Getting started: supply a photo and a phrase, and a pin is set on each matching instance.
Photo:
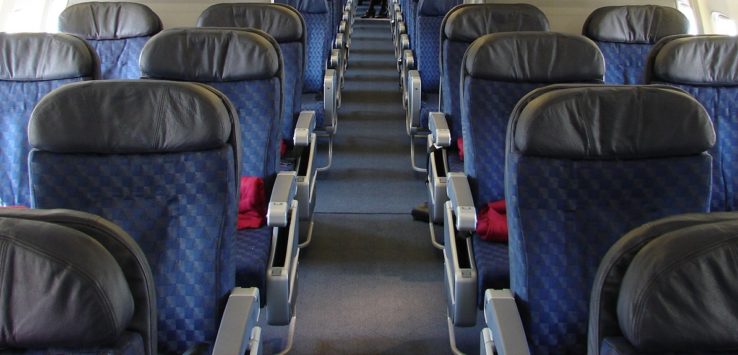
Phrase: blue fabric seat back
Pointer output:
(461, 26)
(585, 165)
(117, 31)
(254, 86)
(78, 322)
(430, 14)
(159, 159)
(625, 34)
(498, 70)
(25, 77)
(286, 26)
(409, 10)
(660, 288)
(319, 33)
(705, 66)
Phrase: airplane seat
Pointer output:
(117, 31)
(584, 165)
(161, 159)
(92, 290)
(25, 77)
(625, 34)
(663, 289)
(705, 66)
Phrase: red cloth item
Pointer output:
(460, 145)
(282, 148)
(252, 206)
(492, 222)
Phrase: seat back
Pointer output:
(159, 159)
(461, 26)
(32, 65)
(662, 288)
(428, 19)
(287, 27)
(625, 34)
(246, 66)
(117, 31)
(498, 70)
(113, 310)
(584, 166)
(706, 67)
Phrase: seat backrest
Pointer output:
(110, 310)
(663, 288)
(625, 34)
(707, 68)
(287, 27)
(428, 19)
(409, 10)
(117, 31)
(498, 70)
(584, 166)
(461, 26)
(246, 66)
(32, 64)
(319, 33)
(159, 159)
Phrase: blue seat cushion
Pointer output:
(493, 266)
(314, 102)
(428, 104)
(251, 249)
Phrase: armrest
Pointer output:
(342, 26)
(440, 134)
(502, 317)
(413, 88)
(238, 331)
(283, 193)
(330, 98)
(459, 194)
(402, 28)
(334, 61)
(408, 59)
(460, 273)
(339, 43)
(281, 274)
(437, 183)
(304, 128)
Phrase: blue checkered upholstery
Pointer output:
(314, 102)
(493, 267)
(452, 56)
(625, 62)
(119, 57)
(292, 55)
(251, 254)
(427, 51)
(410, 12)
(129, 343)
(317, 51)
(428, 103)
(180, 208)
(17, 99)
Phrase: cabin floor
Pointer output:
(370, 282)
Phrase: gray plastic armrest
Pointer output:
(486, 344)
(459, 194)
(413, 101)
(282, 271)
(437, 183)
(306, 184)
(304, 128)
(280, 203)
(408, 60)
(335, 59)
(330, 85)
(460, 274)
(503, 319)
(339, 43)
(238, 331)
(440, 134)
(402, 30)
(343, 26)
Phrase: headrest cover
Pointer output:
(466, 23)
(698, 60)
(109, 20)
(45, 56)
(307, 6)
(135, 116)
(436, 7)
(540, 57)
(634, 23)
(282, 22)
(210, 55)
(77, 297)
(611, 122)
(679, 292)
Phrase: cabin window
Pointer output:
(30, 16)
(722, 24)
(685, 6)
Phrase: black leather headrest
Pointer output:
(67, 290)
(540, 57)
(282, 22)
(307, 6)
(695, 60)
(134, 116)
(610, 122)
(436, 7)
(46, 56)
(679, 292)
(210, 55)
(634, 23)
(109, 20)
(468, 22)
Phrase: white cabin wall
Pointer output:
(177, 13)
(707, 7)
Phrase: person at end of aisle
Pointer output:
(382, 9)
